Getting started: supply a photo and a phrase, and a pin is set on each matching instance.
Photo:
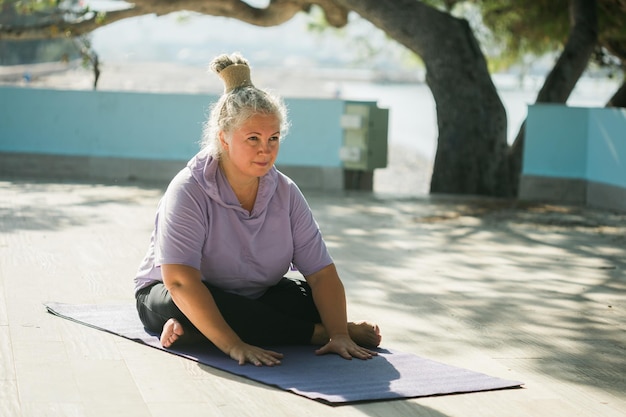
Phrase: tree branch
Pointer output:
(50, 29)
(568, 69)
(276, 13)
(576, 53)
(619, 98)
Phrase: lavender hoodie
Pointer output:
(200, 223)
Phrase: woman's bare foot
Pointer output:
(365, 334)
(172, 331)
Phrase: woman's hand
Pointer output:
(196, 302)
(243, 352)
(345, 347)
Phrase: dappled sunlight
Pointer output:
(101, 221)
(537, 291)
(356, 232)
(54, 206)
(543, 284)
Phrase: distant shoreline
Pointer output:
(136, 76)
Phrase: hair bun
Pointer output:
(233, 69)
(235, 76)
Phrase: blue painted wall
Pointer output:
(144, 126)
(315, 135)
(148, 126)
(607, 149)
(576, 143)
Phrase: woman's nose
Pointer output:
(265, 147)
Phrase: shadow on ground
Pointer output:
(536, 285)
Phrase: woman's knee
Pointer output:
(155, 306)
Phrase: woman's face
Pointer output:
(252, 148)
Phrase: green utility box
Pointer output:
(364, 146)
(365, 128)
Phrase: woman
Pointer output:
(228, 228)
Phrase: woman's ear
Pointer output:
(223, 140)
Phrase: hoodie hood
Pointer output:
(205, 170)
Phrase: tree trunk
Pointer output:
(563, 77)
(619, 98)
(471, 152)
(617, 47)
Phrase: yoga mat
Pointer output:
(328, 378)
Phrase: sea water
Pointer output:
(412, 108)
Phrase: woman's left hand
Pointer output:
(345, 347)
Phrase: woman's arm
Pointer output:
(330, 300)
(194, 299)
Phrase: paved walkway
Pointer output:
(533, 293)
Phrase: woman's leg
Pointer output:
(292, 297)
(257, 322)
(155, 307)
(281, 316)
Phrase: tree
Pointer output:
(471, 151)
(613, 40)
(472, 155)
(571, 64)
(539, 26)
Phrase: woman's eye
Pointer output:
(274, 138)
(253, 138)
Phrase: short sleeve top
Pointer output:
(200, 223)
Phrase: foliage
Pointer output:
(42, 9)
(29, 6)
(537, 27)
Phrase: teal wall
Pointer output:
(576, 143)
(148, 126)
(315, 135)
(607, 150)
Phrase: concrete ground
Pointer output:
(529, 292)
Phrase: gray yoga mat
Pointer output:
(329, 378)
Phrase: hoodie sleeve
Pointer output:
(181, 225)
(310, 253)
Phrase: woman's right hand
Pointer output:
(194, 299)
(243, 352)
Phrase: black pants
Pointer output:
(285, 314)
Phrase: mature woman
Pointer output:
(228, 228)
